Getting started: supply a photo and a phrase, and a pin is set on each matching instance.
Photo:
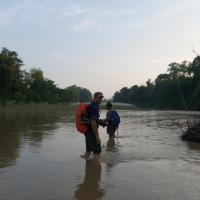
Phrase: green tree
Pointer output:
(10, 76)
(195, 68)
(51, 92)
(78, 94)
(37, 85)
(85, 95)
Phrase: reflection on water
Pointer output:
(18, 127)
(90, 189)
(9, 145)
(111, 144)
(111, 154)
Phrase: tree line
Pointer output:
(179, 88)
(19, 86)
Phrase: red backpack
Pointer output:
(81, 110)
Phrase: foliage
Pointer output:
(19, 86)
(179, 88)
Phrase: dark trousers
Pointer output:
(91, 143)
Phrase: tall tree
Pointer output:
(10, 75)
(37, 85)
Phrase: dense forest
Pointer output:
(179, 88)
(19, 86)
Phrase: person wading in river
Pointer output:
(92, 138)
(112, 120)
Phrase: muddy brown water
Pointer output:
(40, 158)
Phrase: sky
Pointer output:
(102, 45)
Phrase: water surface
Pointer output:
(40, 158)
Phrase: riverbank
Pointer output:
(45, 106)
(118, 106)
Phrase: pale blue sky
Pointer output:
(100, 44)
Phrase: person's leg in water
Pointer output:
(112, 136)
(92, 145)
(86, 155)
(97, 152)
(111, 130)
(96, 149)
(97, 157)
(88, 147)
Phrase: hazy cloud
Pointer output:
(56, 55)
(163, 14)
(115, 13)
(9, 14)
(71, 11)
(83, 26)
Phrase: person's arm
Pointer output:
(95, 130)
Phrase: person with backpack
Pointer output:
(112, 120)
(90, 127)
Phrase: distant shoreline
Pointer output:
(40, 107)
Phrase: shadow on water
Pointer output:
(27, 127)
(90, 189)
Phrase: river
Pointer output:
(40, 157)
